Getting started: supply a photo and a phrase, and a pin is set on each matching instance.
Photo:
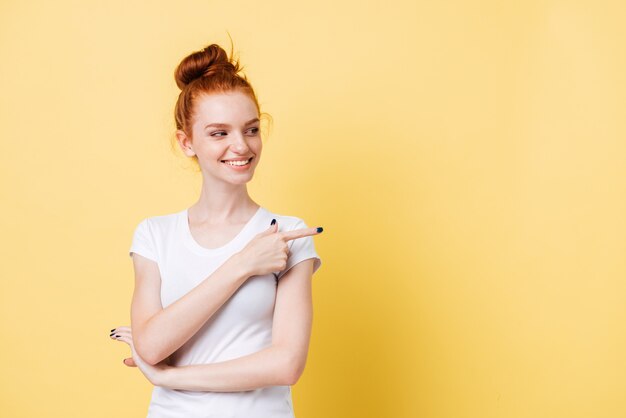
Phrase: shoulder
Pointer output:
(160, 223)
(286, 222)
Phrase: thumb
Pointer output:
(129, 362)
(273, 228)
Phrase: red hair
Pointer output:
(204, 72)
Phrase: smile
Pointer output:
(241, 163)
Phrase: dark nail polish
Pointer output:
(320, 229)
(111, 334)
(116, 335)
(113, 330)
(273, 221)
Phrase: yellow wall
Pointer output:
(466, 160)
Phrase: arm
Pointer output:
(158, 332)
(280, 364)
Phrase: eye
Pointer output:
(218, 132)
(254, 130)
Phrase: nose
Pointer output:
(239, 144)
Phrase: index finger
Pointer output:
(299, 233)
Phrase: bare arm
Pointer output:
(280, 364)
(158, 332)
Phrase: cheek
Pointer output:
(215, 149)
(257, 145)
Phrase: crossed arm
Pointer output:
(281, 363)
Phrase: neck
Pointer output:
(223, 203)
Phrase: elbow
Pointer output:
(143, 349)
(292, 369)
(292, 377)
(151, 358)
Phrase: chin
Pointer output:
(241, 179)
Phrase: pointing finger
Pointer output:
(300, 233)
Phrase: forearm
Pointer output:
(272, 366)
(169, 329)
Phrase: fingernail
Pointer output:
(320, 229)
(113, 330)
(116, 335)
(111, 334)
(273, 221)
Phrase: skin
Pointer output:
(221, 211)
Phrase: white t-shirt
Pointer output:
(243, 325)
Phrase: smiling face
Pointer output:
(225, 136)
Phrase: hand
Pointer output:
(152, 373)
(268, 251)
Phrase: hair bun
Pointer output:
(206, 72)
(210, 60)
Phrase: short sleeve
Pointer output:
(143, 242)
(300, 249)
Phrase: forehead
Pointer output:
(232, 107)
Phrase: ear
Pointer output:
(185, 143)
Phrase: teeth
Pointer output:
(239, 163)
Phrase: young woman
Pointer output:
(221, 312)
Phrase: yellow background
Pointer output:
(466, 160)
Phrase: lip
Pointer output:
(239, 168)
(239, 159)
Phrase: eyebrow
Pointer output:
(225, 125)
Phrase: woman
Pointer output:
(221, 312)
